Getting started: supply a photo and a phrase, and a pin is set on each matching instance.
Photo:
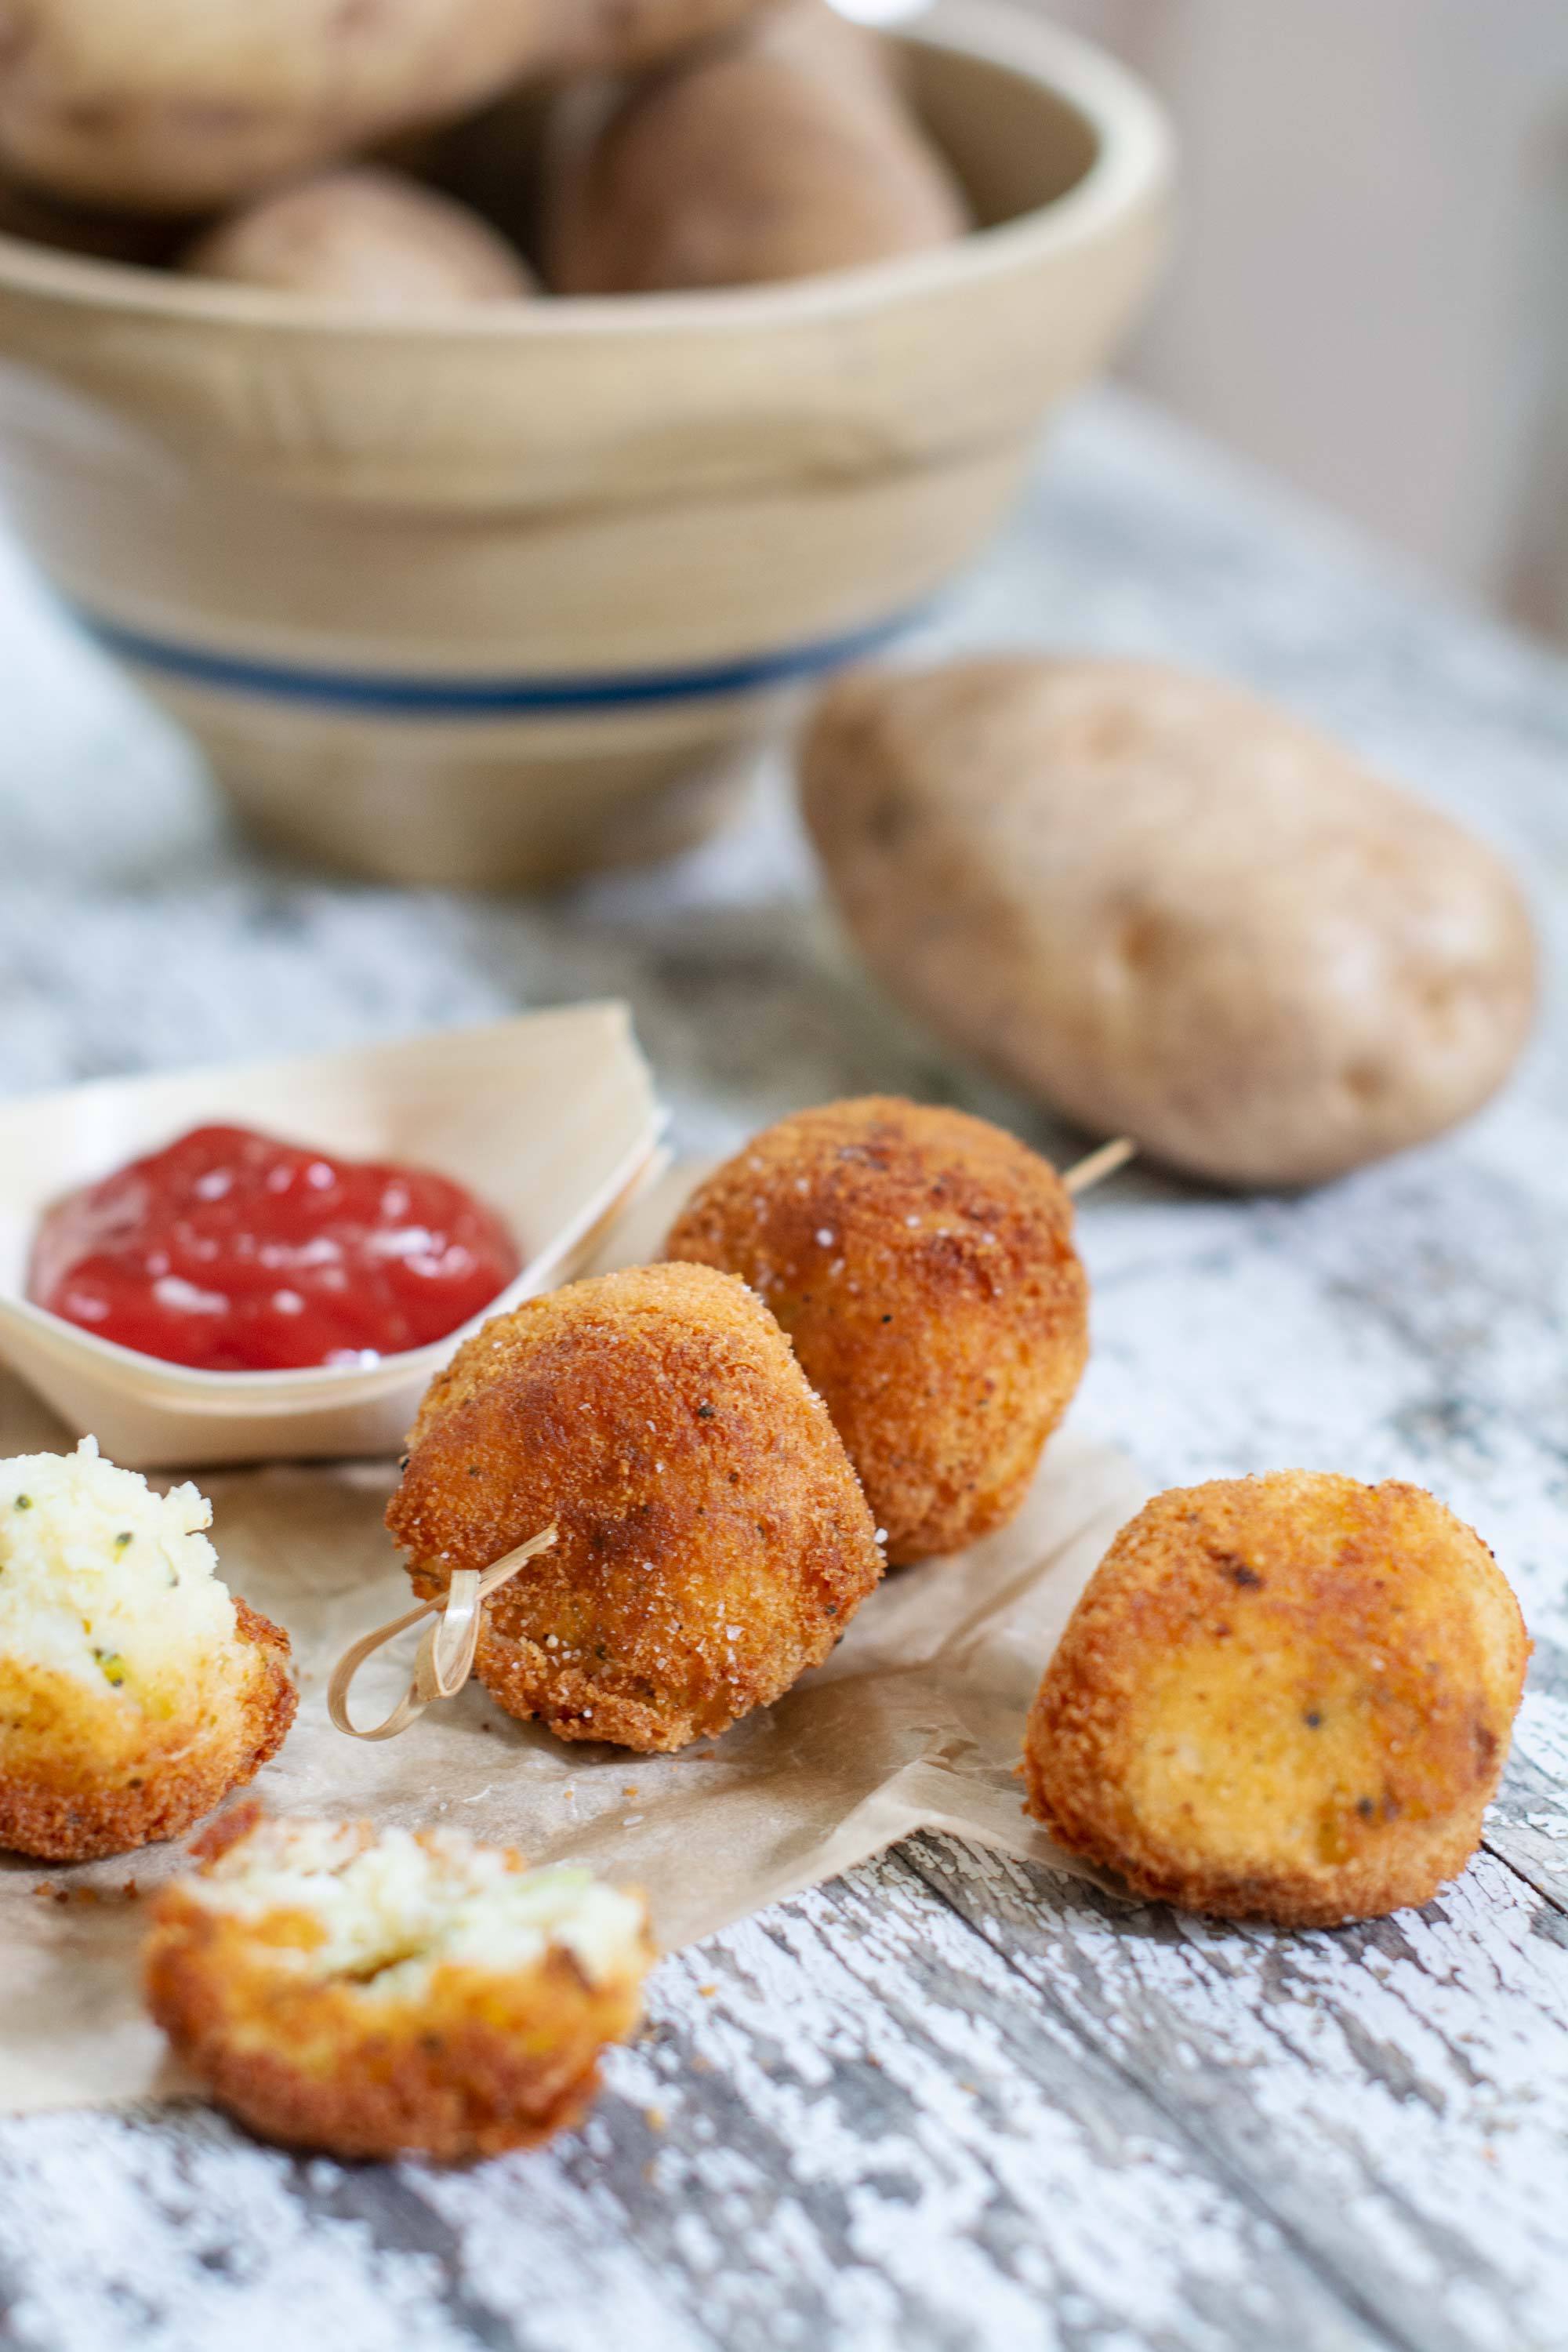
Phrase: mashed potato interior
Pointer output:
(104, 1579)
(392, 1907)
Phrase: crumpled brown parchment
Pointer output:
(915, 1722)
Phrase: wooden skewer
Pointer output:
(1099, 1164)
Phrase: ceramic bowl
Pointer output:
(551, 1117)
(488, 595)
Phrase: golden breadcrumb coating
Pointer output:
(84, 1774)
(135, 1690)
(713, 1541)
(374, 1994)
(1284, 1697)
(922, 1263)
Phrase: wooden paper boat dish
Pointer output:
(549, 1117)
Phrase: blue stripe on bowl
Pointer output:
(458, 698)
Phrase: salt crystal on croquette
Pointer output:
(378, 1992)
(135, 1691)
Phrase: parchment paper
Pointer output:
(915, 1722)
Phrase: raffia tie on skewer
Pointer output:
(446, 1655)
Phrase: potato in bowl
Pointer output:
(489, 593)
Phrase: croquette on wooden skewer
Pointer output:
(712, 1540)
(922, 1263)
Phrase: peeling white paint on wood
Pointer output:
(946, 2103)
(1394, 2095)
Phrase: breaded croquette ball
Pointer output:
(1286, 1698)
(378, 1993)
(922, 1263)
(135, 1691)
(713, 1541)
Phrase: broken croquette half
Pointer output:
(136, 1692)
(373, 1993)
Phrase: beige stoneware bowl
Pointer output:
(551, 1117)
(491, 596)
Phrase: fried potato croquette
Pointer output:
(380, 1993)
(135, 1691)
(1284, 1697)
(713, 1541)
(922, 1263)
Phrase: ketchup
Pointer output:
(235, 1252)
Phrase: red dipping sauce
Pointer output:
(235, 1253)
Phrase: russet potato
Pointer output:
(184, 105)
(366, 236)
(1168, 910)
(784, 151)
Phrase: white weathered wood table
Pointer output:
(945, 2102)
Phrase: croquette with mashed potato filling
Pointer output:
(384, 1992)
(713, 1541)
(135, 1690)
(922, 1263)
(1286, 1698)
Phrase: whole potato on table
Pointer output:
(784, 151)
(1168, 910)
(183, 106)
(366, 236)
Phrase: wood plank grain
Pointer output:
(851, 2091)
(172, 2233)
(1394, 2095)
(852, 2123)
(1528, 1825)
